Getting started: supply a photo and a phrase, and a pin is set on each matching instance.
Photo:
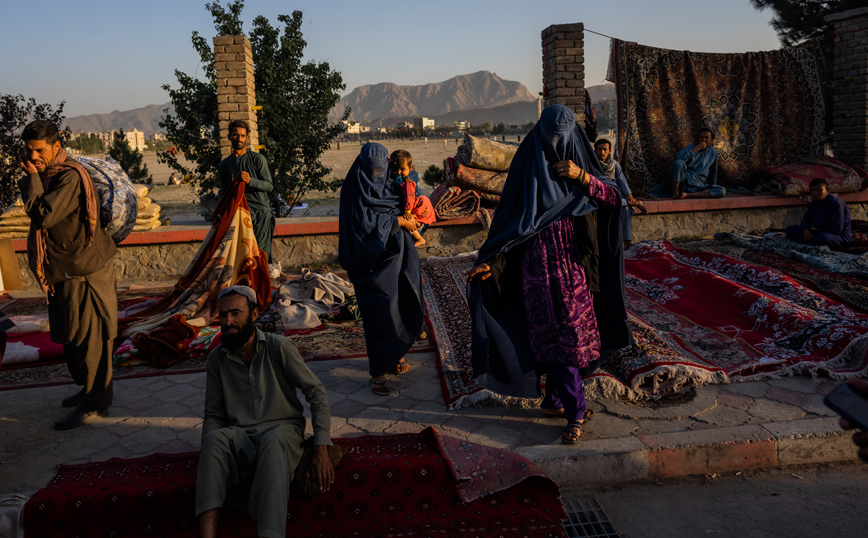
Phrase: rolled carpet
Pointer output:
(451, 202)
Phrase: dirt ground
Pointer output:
(180, 203)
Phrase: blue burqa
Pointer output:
(533, 198)
(380, 259)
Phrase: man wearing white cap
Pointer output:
(254, 422)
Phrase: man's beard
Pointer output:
(237, 340)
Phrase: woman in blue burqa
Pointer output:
(547, 291)
(381, 262)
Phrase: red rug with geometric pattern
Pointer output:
(406, 485)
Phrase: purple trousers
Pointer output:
(564, 390)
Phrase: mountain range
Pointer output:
(477, 98)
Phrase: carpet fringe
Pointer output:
(664, 381)
(486, 398)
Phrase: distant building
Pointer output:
(607, 114)
(461, 125)
(136, 139)
(423, 123)
(156, 137)
(404, 124)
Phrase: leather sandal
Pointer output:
(380, 388)
(572, 433)
(400, 367)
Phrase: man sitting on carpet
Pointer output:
(251, 168)
(827, 221)
(254, 422)
(613, 171)
(694, 172)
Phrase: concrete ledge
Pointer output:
(661, 205)
(287, 227)
(707, 451)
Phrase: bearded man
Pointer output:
(251, 168)
(70, 254)
(254, 422)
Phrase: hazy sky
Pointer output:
(106, 55)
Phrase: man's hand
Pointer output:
(807, 235)
(483, 270)
(633, 202)
(323, 468)
(860, 439)
(26, 165)
(700, 146)
(243, 176)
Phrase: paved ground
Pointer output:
(767, 424)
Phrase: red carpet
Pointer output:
(409, 485)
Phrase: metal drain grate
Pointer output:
(586, 519)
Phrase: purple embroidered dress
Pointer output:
(559, 309)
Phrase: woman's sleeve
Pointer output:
(601, 192)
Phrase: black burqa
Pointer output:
(533, 198)
(380, 259)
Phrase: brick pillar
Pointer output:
(564, 67)
(236, 93)
(850, 86)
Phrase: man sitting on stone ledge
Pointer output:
(827, 221)
(254, 422)
(694, 172)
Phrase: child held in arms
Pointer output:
(416, 207)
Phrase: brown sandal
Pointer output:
(400, 367)
(379, 387)
(572, 433)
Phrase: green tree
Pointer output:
(15, 113)
(293, 123)
(797, 20)
(88, 144)
(130, 159)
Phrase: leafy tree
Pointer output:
(15, 113)
(434, 176)
(295, 98)
(88, 144)
(798, 20)
(130, 159)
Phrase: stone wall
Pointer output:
(850, 86)
(564, 67)
(236, 92)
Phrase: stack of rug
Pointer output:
(422, 484)
(14, 222)
(476, 174)
(794, 179)
(149, 212)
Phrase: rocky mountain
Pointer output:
(464, 92)
(511, 114)
(145, 119)
(602, 91)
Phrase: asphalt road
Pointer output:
(818, 501)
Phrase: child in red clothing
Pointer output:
(418, 207)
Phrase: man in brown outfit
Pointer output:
(70, 253)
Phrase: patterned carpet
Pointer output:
(421, 484)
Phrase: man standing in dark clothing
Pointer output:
(827, 221)
(71, 255)
(251, 168)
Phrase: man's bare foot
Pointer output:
(680, 196)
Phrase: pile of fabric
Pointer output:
(14, 222)
(475, 176)
(793, 179)
(149, 212)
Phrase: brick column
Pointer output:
(564, 67)
(850, 86)
(236, 93)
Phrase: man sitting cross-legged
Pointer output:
(254, 422)
(694, 172)
(827, 221)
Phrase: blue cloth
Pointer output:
(694, 173)
(626, 211)
(380, 259)
(533, 198)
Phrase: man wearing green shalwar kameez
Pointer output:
(251, 168)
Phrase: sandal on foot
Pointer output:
(588, 414)
(400, 367)
(572, 433)
(380, 388)
(552, 412)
